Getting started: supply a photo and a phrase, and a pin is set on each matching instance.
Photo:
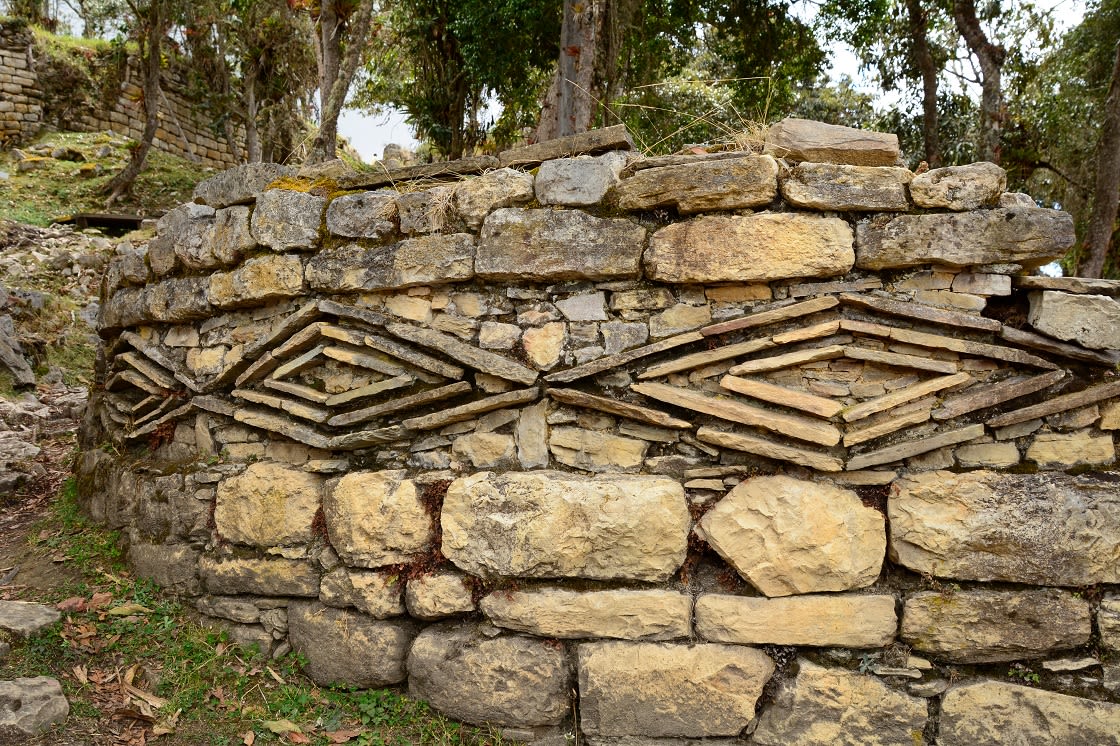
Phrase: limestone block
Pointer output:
(642, 299)
(786, 536)
(1025, 235)
(234, 608)
(173, 567)
(678, 319)
(982, 283)
(376, 518)
(750, 181)
(1110, 416)
(183, 234)
(993, 455)
(521, 524)
(1065, 450)
(1089, 320)
(999, 713)
(960, 187)
(658, 689)
(126, 268)
(565, 614)
(585, 307)
(263, 577)
(532, 436)
(348, 648)
(849, 620)
(1108, 621)
(478, 197)
(486, 450)
(438, 595)
(825, 186)
(425, 212)
(377, 594)
(29, 706)
(983, 626)
(544, 344)
(267, 505)
(546, 245)
(424, 260)
(508, 680)
(622, 335)
(1045, 529)
(494, 335)
(760, 247)
(578, 182)
(240, 184)
(595, 451)
(258, 280)
(806, 140)
(285, 220)
(177, 300)
(364, 215)
(832, 706)
(231, 236)
(25, 618)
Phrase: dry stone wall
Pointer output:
(729, 447)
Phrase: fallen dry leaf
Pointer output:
(280, 727)
(128, 609)
(75, 604)
(342, 736)
(99, 601)
(249, 738)
(81, 673)
(294, 737)
(275, 675)
(167, 726)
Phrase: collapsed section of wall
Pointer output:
(726, 446)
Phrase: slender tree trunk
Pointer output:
(123, 181)
(1106, 195)
(991, 57)
(919, 25)
(333, 95)
(570, 102)
(252, 134)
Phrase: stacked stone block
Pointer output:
(735, 447)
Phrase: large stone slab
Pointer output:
(260, 279)
(183, 235)
(835, 707)
(345, 647)
(848, 620)
(268, 505)
(284, 220)
(240, 184)
(959, 187)
(581, 181)
(982, 626)
(595, 451)
(998, 713)
(553, 525)
(826, 186)
(750, 248)
(1024, 235)
(620, 614)
(805, 140)
(501, 187)
(25, 618)
(509, 680)
(363, 215)
(426, 260)
(263, 577)
(662, 690)
(1044, 529)
(376, 518)
(29, 706)
(377, 594)
(786, 536)
(750, 181)
(1089, 320)
(543, 245)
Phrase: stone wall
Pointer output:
(184, 129)
(737, 447)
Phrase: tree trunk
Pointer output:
(573, 88)
(252, 110)
(333, 93)
(991, 57)
(919, 25)
(123, 181)
(1106, 195)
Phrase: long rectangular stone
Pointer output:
(282, 425)
(794, 426)
(487, 362)
(262, 366)
(412, 357)
(352, 313)
(891, 424)
(302, 340)
(771, 316)
(699, 359)
(372, 389)
(294, 408)
(472, 409)
(822, 288)
(362, 359)
(990, 395)
(940, 342)
(149, 351)
(914, 447)
(297, 389)
(174, 414)
(138, 380)
(770, 449)
(1062, 403)
(622, 358)
(1081, 285)
(898, 360)
(1062, 349)
(299, 363)
(157, 374)
(620, 408)
(805, 333)
(592, 141)
(903, 395)
(397, 405)
(847, 620)
(788, 360)
(768, 392)
(367, 438)
(385, 177)
(921, 312)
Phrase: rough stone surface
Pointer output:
(544, 344)
(24, 618)
(760, 247)
(375, 518)
(595, 451)
(239, 184)
(268, 505)
(345, 647)
(659, 690)
(508, 680)
(806, 140)
(415, 261)
(750, 181)
(557, 245)
(960, 187)
(284, 220)
(264, 577)
(364, 215)
(522, 524)
(1026, 235)
(829, 706)
(983, 626)
(1065, 450)
(1089, 320)
(825, 186)
(486, 450)
(183, 234)
(1108, 621)
(575, 182)
(621, 614)
(850, 620)
(786, 536)
(29, 706)
(258, 280)
(1045, 529)
(504, 187)
(173, 567)
(377, 594)
(231, 236)
(999, 713)
(438, 595)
